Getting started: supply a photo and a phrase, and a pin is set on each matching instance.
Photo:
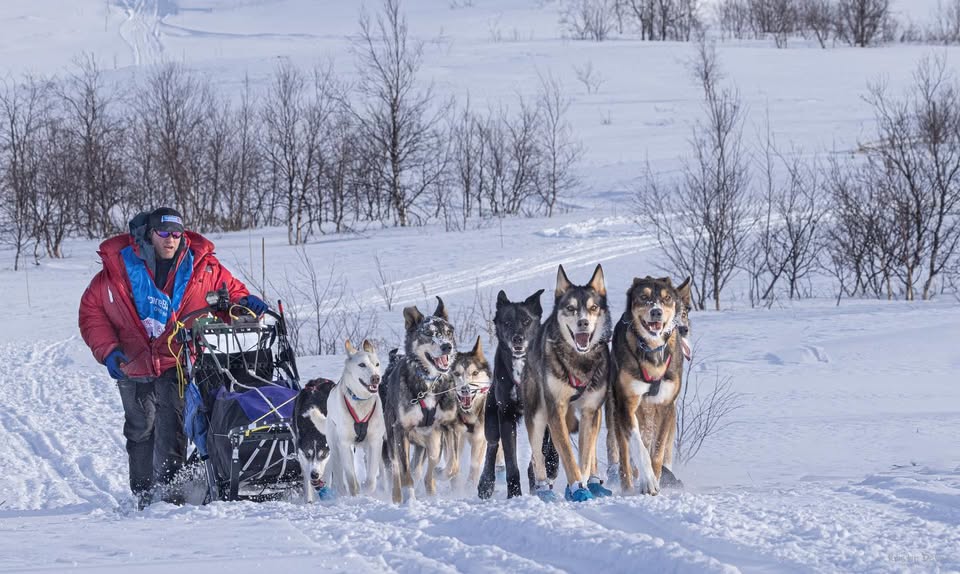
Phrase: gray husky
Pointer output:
(418, 397)
(566, 374)
(472, 378)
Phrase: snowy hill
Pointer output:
(843, 458)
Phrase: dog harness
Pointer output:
(577, 384)
(429, 414)
(359, 426)
(654, 383)
(470, 426)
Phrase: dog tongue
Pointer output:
(442, 361)
(686, 348)
(655, 326)
(582, 339)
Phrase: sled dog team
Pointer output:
(559, 376)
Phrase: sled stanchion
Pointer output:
(235, 441)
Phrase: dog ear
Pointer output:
(351, 350)
(318, 419)
(563, 284)
(367, 346)
(477, 348)
(684, 291)
(533, 302)
(441, 310)
(411, 318)
(502, 299)
(596, 282)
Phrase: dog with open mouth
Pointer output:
(646, 378)
(565, 384)
(355, 420)
(310, 437)
(472, 378)
(419, 397)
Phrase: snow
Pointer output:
(843, 458)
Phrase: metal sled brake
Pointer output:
(239, 403)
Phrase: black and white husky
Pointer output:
(418, 397)
(310, 435)
(355, 420)
(516, 324)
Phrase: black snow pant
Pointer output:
(153, 427)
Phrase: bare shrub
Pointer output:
(704, 409)
(386, 287)
(588, 19)
(589, 77)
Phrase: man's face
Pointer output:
(165, 247)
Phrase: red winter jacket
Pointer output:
(108, 315)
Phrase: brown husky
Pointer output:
(646, 374)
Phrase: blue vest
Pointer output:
(153, 305)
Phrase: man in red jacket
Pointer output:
(151, 276)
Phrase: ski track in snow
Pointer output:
(490, 275)
(59, 430)
(141, 30)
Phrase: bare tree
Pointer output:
(703, 223)
(733, 17)
(861, 22)
(588, 19)
(819, 18)
(918, 157)
(399, 120)
(93, 126)
(174, 102)
(291, 146)
(24, 107)
(560, 151)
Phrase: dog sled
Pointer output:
(239, 396)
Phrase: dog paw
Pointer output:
(613, 474)
(578, 494)
(596, 488)
(485, 489)
(648, 484)
(407, 495)
(545, 493)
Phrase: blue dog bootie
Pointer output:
(326, 493)
(580, 494)
(544, 492)
(595, 485)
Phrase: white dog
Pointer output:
(355, 420)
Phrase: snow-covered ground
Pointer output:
(845, 456)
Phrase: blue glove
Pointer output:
(254, 303)
(113, 362)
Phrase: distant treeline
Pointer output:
(79, 157)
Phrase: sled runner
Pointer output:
(239, 397)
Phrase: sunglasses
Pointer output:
(166, 234)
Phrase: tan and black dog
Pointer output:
(667, 477)
(566, 374)
(646, 375)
